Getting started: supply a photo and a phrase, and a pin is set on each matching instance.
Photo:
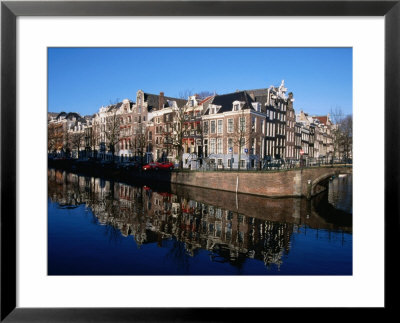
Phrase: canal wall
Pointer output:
(307, 182)
(288, 183)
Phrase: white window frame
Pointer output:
(220, 126)
(242, 126)
(215, 126)
(219, 146)
(230, 129)
(212, 146)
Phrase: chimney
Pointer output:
(161, 101)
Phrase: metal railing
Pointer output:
(274, 164)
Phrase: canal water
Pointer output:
(103, 227)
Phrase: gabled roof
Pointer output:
(259, 95)
(153, 101)
(322, 119)
(114, 106)
(61, 114)
(258, 92)
(226, 101)
(69, 115)
(206, 99)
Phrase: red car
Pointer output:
(157, 166)
(166, 165)
(151, 166)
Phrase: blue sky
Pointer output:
(83, 79)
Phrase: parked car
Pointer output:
(151, 166)
(166, 166)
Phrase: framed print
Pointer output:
(184, 175)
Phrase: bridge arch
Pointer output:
(319, 180)
(328, 174)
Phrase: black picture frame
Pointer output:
(10, 10)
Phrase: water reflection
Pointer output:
(340, 193)
(187, 220)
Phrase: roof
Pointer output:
(69, 115)
(153, 101)
(205, 99)
(322, 119)
(226, 100)
(114, 106)
(259, 95)
(258, 92)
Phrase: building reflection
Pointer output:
(232, 227)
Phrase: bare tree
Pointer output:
(185, 94)
(51, 138)
(67, 143)
(113, 131)
(178, 130)
(346, 136)
(77, 140)
(205, 94)
(337, 117)
(57, 138)
(94, 138)
(242, 133)
(139, 141)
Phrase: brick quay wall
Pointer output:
(306, 182)
(288, 183)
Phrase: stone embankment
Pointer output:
(306, 182)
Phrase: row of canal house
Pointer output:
(242, 128)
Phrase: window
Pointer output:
(219, 146)
(205, 127)
(212, 126)
(230, 125)
(236, 107)
(219, 162)
(219, 129)
(253, 124)
(212, 146)
(263, 126)
(218, 230)
(242, 126)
